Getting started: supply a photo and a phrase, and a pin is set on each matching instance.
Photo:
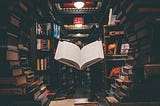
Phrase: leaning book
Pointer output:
(70, 54)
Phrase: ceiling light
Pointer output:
(78, 35)
(79, 4)
(78, 25)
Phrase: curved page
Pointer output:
(68, 53)
(91, 54)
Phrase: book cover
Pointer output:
(70, 54)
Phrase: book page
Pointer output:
(68, 53)
(91, 53)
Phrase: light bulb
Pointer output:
(78, 4)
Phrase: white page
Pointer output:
(91, 51)
(68, 51)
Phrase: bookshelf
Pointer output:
(142, 41)
(18, 83)
(116, 58)
(43, 46)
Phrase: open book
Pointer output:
(70, 54)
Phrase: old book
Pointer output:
(12, 91)
(12, 55)
(29, 74)
(14, 21)
(19, 80)
(12, 39)
(23, 6)
(148, 10)
(112, 100)
(38, 64)
(43, 44)
(11, 47)
(17, 72)
(22, 47)
(33, 86)
(14, 63)
(70, 54)
(113, 33)
(111, 18)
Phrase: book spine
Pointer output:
(16, 72)
(12, 91)
(49, 44)
(11, 47)
(42, 65)
(14, 63)
(45, 62)
(23, 6)
(112, 33)
(38, 64)
(41, 43)
(14, 21)
(19, 80)
(38, 44)
(12, 55)
(147, 10)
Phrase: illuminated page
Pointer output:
(91, 54)
(68, 53)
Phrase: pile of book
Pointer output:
(21, 89)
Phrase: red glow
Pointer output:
(87, 4)
(78, 20)
(68, 5)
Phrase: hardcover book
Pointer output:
(70, 54)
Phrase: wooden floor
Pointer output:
(79, 98)
(81, 93)
(73, 102)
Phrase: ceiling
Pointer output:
(94, 14)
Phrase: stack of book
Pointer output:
(18, 85)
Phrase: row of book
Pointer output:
(121, 89)
(43, 29)
(43, 44)
(42, 64)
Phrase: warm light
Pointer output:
(78, 35)
(78, 22)
(78, 25)
(79, 4)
